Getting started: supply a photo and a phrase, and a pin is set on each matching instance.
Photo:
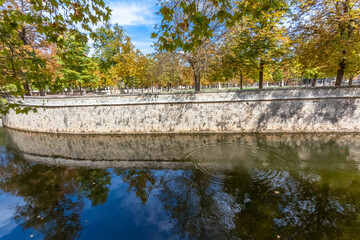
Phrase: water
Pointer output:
(179, 186)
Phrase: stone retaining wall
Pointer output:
(218, 152)
(323, 109)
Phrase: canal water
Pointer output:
(225, 186)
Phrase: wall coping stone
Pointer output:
(251, 95)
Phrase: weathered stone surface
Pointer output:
(280, 110)
(210, 152)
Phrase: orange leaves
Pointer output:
(184, 25)
(54, 25)
(75, 5)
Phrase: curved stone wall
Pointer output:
(209, 152)
(323, 109)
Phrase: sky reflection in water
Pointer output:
(179, 186)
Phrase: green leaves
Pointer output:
(187, 25)
(154, 35)
(27, 27)
(77, 67)
(191, 28)
(120, 62)
(108, 42)
(326, 31)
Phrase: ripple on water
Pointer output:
(231, 160)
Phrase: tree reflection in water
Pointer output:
(311, 199)
(141, 182)
(53, 195)
(237, 187)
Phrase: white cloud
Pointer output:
(138, 17)
(141, 44)
(130, 13)
(144, 46)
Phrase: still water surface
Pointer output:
(179, 186)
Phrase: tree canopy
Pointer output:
(27, 27)
(45, 45)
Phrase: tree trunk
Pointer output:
(22, 35)
(42, 92)
(350, 81)
(261, 74)
(132, 85)
(342, 28)
(196, 69)
(314, 80)
(80, 88)
(127, 87)
(241, 81)
(27, 89)
(340, 73)
(71, 89)
(197, 81)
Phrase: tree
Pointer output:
(331, 27)
(353, 68)
(120, 62)
(309, 56)
(229, 61)
(53, 195)
(77, 69)
(190, 27)
(169, 68)
(24, 22)
(126, 68)
(108, 42)
(141, 181)
(49, 78)
(260, 36)
(222, 68)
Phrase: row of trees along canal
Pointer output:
(197, 42)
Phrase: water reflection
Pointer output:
(183, 186)
(52, 195)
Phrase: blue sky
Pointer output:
(138, 18)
